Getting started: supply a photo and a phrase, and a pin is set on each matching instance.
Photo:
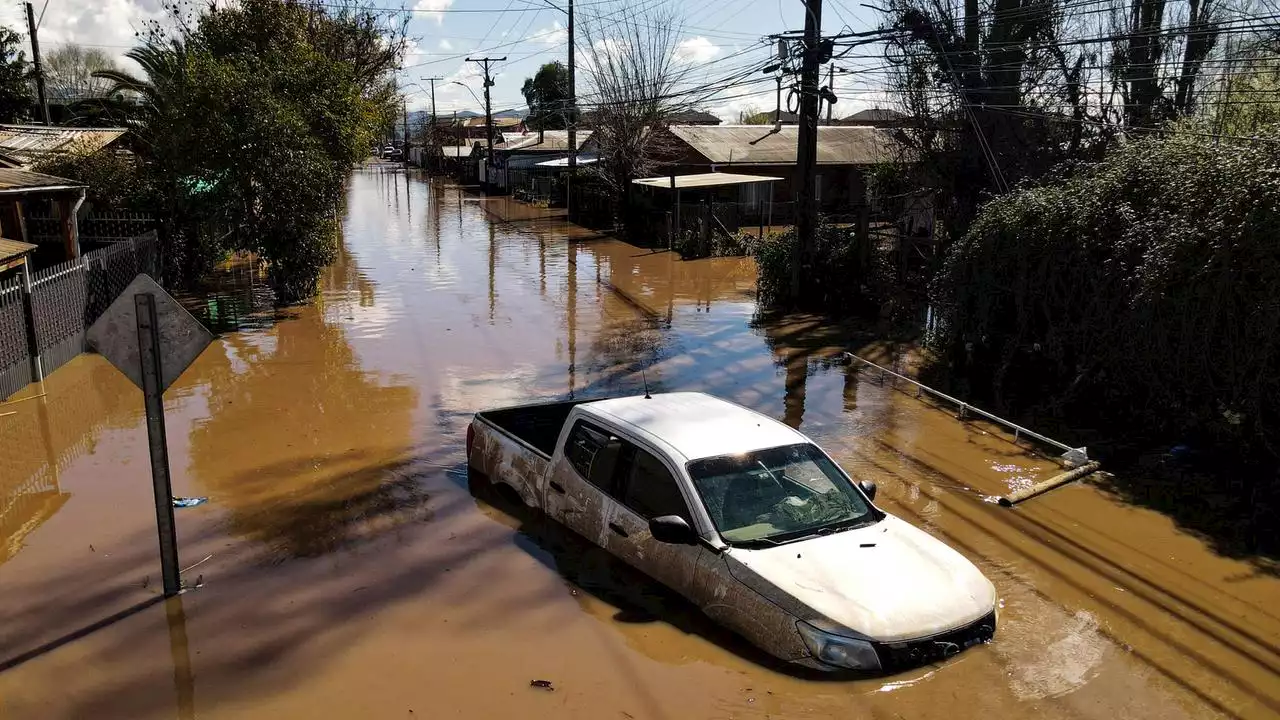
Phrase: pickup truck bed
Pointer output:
(538, 426)
(516, 444)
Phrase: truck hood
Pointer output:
(888, 582)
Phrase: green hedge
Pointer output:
(1142, 293)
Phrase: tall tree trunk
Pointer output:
(1202, 35)
(1142, 53)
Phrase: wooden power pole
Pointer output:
(572, 120)
(431, 140)
(807, 151)
(35, 59)
(488, 110)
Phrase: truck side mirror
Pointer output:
(869, 488)
(673, 530)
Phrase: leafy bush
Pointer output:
(841, 281)
(115, 181)
(1139, 293)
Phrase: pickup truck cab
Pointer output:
(746, 518)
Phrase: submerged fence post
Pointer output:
(29, 314)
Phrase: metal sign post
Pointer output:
(153, 397)
(150, 338)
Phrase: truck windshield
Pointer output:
(778, 494)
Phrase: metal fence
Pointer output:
(95, 227)
(15, 363)
(65, 300)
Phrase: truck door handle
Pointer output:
(617, 529)
(556, 486)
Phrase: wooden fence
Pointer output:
(64, 301)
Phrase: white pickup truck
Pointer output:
(748, 519)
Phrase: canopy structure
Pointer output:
(13, 253)
(704, 187)
(564, 161)
(702, 180)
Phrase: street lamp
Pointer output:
(468, 87)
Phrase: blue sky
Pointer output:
(718, 39)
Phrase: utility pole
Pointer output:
(807, 151)
(831, 85)
(430, 140)
(488, 110)
(404, 155)
(35, 57)
(572, 99)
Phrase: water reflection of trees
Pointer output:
(306, 450)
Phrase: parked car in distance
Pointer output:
(746, 518)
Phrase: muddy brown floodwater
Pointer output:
(346, 568)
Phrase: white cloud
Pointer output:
(554, 35)
(433, 9)
(106, 24)
(446, 45)
(696, 50)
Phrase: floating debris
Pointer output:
(185, 502)
(542, 684)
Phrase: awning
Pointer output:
(12, 252)
(564, 161)
(702, 180)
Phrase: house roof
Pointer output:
(498, 122)
(702, 180)
(14, 182)
(766, 117)
(547, 141)
(693, 117)
(837, 144)
(455, 151)
(30, 142)
(875, 115)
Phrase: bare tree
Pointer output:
(70, 72)
(635, 77)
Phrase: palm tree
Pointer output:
(140, 100)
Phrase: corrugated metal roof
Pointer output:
(30, 142)
(701, 180)
(837, 145)
(455, 151)
(10, 249)
(13, 180)
(548, 141)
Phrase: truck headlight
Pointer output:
(838, 650)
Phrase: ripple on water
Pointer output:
(1055, 655)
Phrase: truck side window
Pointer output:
(651, 491)
(592, 456)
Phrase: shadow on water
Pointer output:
(301, 614)
(1212, 501)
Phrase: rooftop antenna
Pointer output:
(647, 396)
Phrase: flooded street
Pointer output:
(347, 568)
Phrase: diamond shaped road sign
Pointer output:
(115, 334)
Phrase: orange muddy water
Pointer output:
(344, 567)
